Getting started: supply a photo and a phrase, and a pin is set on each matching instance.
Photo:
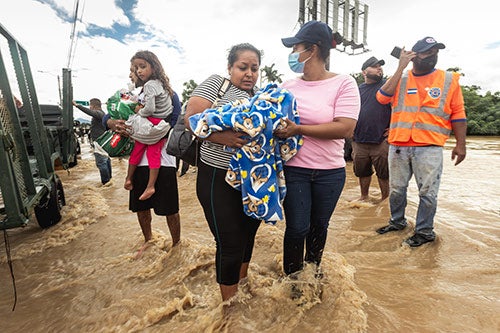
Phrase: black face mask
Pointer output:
(425, 65)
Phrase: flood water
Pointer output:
(81, 275)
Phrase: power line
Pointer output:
(74, 32)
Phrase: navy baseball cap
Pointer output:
(315, 32)
(426, 44)
(372, 61)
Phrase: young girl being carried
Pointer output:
(155, 105)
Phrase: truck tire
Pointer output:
(48, 212)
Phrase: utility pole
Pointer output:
(302, 12)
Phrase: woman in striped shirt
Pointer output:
(233, 230)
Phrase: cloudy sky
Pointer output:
(192, 38)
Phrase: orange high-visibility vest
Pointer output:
(427, 121)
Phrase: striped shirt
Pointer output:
(212, 153)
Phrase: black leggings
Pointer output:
(233, 230)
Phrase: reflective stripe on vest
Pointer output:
(437, 111)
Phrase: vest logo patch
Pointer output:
(434, 92)
(412, 91)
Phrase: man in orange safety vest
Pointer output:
(427, 105)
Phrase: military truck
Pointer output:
(34, 140)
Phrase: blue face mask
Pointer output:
(295, 64)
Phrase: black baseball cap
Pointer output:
(372, 61)
(315, 32)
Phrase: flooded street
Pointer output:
(81, 274)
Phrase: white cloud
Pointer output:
(203, 31)
(103, 13)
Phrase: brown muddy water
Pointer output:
(81, 275)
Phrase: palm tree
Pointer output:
(268, 74)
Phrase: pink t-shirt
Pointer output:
(320, 102)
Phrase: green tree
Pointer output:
(483, 111)
(359, 78)
(189, 86)
(268, 75)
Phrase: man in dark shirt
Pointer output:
(370, 147)
(102, 162)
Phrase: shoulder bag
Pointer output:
(182, 143)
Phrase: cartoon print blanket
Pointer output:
(256, 169)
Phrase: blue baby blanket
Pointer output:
(256, 169)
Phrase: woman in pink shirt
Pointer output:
(328, 106)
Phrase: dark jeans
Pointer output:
(104, 165)
(309, 203)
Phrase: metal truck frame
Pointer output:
(30, 149)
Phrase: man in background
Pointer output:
(369, 146)
(103, 162)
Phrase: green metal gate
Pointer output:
(27, 177)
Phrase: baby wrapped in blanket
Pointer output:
(256, 169)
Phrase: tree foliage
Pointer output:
(189, 86)
(483, 111)
(359, 78)
(268, 74)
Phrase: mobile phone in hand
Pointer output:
(396, 52)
